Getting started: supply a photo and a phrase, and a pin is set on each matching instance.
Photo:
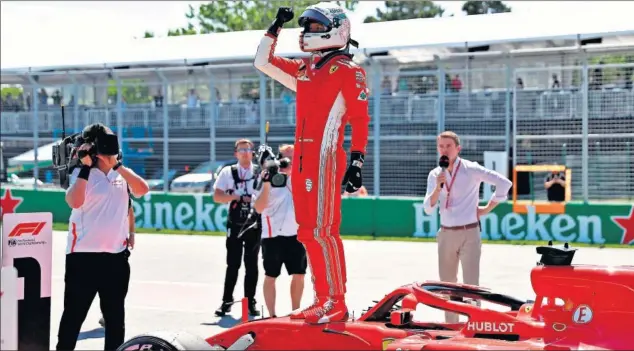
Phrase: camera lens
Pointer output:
(278, 180)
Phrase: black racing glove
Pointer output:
(353, 180)
(284, 14)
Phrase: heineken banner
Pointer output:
(386, 216)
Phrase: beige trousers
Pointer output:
(464, 246)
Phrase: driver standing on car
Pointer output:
(331, 92)
(235, 185)
(279, 234)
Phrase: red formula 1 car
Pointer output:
(576, 307)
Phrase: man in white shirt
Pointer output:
(235, 185)
(456, 191)
(96, 253)
(279, 236)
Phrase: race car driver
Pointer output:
(331, 91)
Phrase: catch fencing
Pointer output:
(176, 121)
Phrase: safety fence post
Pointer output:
(508, 105)
(584, 127)
(376, 127)
(164, 87)
(442, 83)
(213, 115)
(35, 103)
(119, 111)
(262, 106)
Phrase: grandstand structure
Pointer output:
(559, 92)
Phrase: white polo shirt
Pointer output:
(278, 218)
(101, 223)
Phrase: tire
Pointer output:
(166, 341)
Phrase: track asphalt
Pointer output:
(177, 281)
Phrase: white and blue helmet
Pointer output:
(337, 32)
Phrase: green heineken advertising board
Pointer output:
(382, 217)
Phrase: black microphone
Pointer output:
(443, 163)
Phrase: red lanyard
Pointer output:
(450, 185)
(242, 176)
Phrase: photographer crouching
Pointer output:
(97, 249)
(279, 227)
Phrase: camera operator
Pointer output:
(279, 232)
(235, 185)
(97, 250)
(555, 184)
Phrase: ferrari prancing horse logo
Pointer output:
(582, 315)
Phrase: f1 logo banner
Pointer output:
(27, 245)
(28, 228)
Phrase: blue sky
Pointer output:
(77, 22)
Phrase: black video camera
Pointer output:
(66, 156)
(272, 164)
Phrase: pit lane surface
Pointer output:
(177, 281)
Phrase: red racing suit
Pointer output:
(328, 97)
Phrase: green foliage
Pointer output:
(190, 30)
(403, 10)
(611, 59)
(251, 89)
(484, 7)
(133, 91)
(612, 75)
(609, 75)
(14, 91)
(228, 16)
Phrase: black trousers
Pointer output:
(249, 245)
(89, 274)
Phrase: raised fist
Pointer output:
(284, 14)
